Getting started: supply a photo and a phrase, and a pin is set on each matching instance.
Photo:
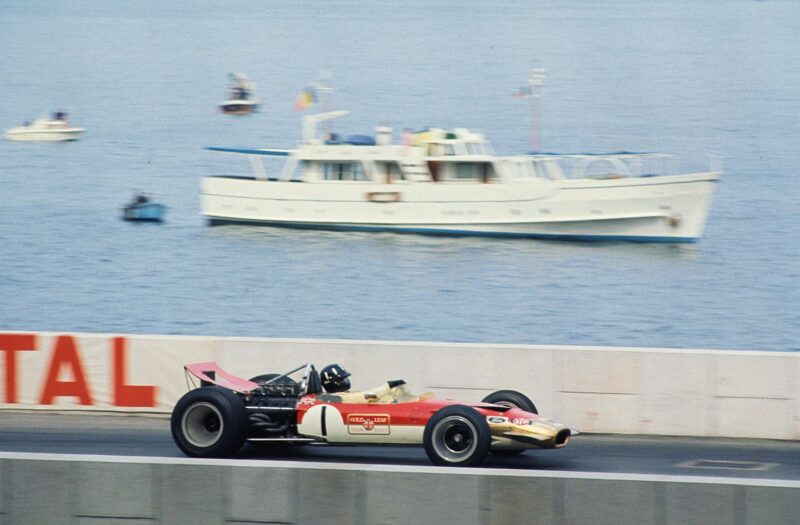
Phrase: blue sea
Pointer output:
(144, 78)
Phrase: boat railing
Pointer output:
(613, 165)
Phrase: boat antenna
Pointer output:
(325, 92)
(533, 93)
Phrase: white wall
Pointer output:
(592, 389)
(70, 489)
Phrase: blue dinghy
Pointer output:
(142, 209)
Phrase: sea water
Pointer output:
(144, 78)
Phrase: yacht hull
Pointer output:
(238, 107)
(23, 135)
(648, 209)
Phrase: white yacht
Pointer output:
(56, 129)
(451, 183)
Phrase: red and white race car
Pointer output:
(215, 419)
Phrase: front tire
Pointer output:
(209, 422)
(457, 436)
(511, 398)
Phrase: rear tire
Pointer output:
(457, 436)
(209, 422)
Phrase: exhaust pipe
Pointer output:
(562, 438)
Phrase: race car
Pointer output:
(215, 418)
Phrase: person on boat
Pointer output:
(141, 198)
(336, 380)
(240, 87)
(58, 121)
(407, 140)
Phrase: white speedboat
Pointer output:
(55, 129)
(241, 100)
(441, 182)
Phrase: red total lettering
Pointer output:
(128, 395)
(65, 354)
(11, 344)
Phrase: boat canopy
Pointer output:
(252, 151)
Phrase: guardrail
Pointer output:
(55, 489)
(594, 389)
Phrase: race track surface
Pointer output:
(150, 436)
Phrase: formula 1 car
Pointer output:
(216, 418)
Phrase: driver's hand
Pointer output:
(396, 382)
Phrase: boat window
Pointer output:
(388, 171)
(475, 148)
(478, 171)
(343, 171)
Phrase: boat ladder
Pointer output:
(415, 170)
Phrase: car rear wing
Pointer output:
(210, 373)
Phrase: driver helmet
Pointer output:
(335, 378)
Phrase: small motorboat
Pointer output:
(55, 129)
(241, 100)
(143, 209)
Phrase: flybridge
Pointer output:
(433, 142)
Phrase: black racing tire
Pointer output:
(266, 377)
(209, 422)
(457, 436)
(511, 398)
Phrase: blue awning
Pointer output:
(250, 151)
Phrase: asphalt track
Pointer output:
(679, 456)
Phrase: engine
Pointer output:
(272, 410)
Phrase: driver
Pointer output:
(336, 380)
